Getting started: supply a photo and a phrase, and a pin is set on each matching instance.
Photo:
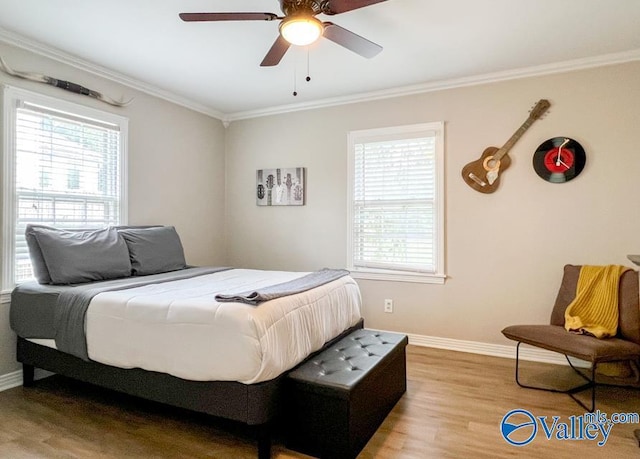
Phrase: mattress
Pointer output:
(178, 327)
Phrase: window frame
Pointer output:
(12, 98)
(398, 133)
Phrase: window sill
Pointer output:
(399, 277)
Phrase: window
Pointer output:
(396, 215)
(64, 165)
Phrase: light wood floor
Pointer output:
(452, 409)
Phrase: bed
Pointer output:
(191, 337)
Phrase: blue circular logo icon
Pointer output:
(518, 427)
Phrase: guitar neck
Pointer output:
(514, 138)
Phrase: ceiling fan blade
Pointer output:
(276, 53)
(342, 6)
(195, 17)
(350, 40)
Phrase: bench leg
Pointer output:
(590, 383)
(27, 375)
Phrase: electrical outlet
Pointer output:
(388, 305)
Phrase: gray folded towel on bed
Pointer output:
(301, 284)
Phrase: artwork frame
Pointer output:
(281, 186)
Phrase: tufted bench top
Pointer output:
(343, 365)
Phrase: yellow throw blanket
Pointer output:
(594, 310)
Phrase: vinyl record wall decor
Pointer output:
(559, 160)
(280, 187)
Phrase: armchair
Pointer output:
(625, 346)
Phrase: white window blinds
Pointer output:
(395, 201)
(67, 173)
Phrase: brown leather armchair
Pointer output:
(553, 337)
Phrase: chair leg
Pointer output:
(590, 384)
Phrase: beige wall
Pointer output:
(505, 251)
(176, 165)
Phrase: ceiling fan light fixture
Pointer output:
(301, 30)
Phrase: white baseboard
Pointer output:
(14, 379)
(496, 350)
(11, 380)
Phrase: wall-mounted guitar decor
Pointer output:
(483, 174)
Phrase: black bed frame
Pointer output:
(256, 405)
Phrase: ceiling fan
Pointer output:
(299, 26)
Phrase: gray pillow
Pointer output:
(38, 265)
(154, 250)
(73, 257)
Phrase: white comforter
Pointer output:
(179, 328)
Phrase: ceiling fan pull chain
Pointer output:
(295, 76)
(308, 71)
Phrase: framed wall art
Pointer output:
(280, 187)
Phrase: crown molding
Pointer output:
(526, 72)
(50, 52)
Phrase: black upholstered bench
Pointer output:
(337, 400)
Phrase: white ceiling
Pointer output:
(426, 43)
